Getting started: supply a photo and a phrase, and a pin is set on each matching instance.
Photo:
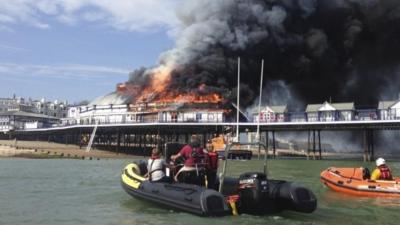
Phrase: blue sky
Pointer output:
(79, 49)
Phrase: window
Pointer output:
(262, 117)
(174, 117)
(198, 116)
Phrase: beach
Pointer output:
(41, 149)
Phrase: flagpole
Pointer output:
(238, 102)
(259, 102)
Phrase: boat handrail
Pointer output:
(228, 149)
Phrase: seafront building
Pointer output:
(131, 113)
(19, 113)
(330, 111)
(389, 110)
(144, 113)
(54, 109)
(19, 120)
(270, 113)
(15, 104)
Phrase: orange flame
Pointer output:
(189, 98)
(156, 92)
(160, 77)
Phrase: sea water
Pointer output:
(67, 191)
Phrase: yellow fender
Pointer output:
(130, 176)
(232, 202)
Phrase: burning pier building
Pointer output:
(130, 105)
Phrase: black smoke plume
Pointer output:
(344, 50)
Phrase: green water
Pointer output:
(62, 191)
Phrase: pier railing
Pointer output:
(290, 117)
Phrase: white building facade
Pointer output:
(269, 114)
(389, 110)
(330, 112)
(17, 120)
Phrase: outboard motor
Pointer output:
(258, 195)
(253, 192)
(291, 196)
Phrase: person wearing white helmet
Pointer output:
(382, 172)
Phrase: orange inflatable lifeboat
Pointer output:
(355, 181)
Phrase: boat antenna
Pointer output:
(237, 102)
(259, 102)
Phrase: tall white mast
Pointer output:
(259, 102)
(237, 103)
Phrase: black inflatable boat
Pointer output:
(251, 193)
(185, 197)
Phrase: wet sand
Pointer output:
(39, 149)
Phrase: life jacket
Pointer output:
(154, 156)
(199, 156)
(157, 167)
(193, 157)
(385, 173)
(212, 161)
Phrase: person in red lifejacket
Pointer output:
(382, 172)
(212, 166)
(194, 157)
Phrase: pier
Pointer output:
(139, 138)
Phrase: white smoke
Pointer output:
(277, 93)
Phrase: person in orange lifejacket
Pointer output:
(382, 172)
(212, 166)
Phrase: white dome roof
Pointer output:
(114, 98)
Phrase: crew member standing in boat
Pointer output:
(156, 166)
(382, 172)
(194, 165)
(212, 166)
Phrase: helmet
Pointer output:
(380, 161)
